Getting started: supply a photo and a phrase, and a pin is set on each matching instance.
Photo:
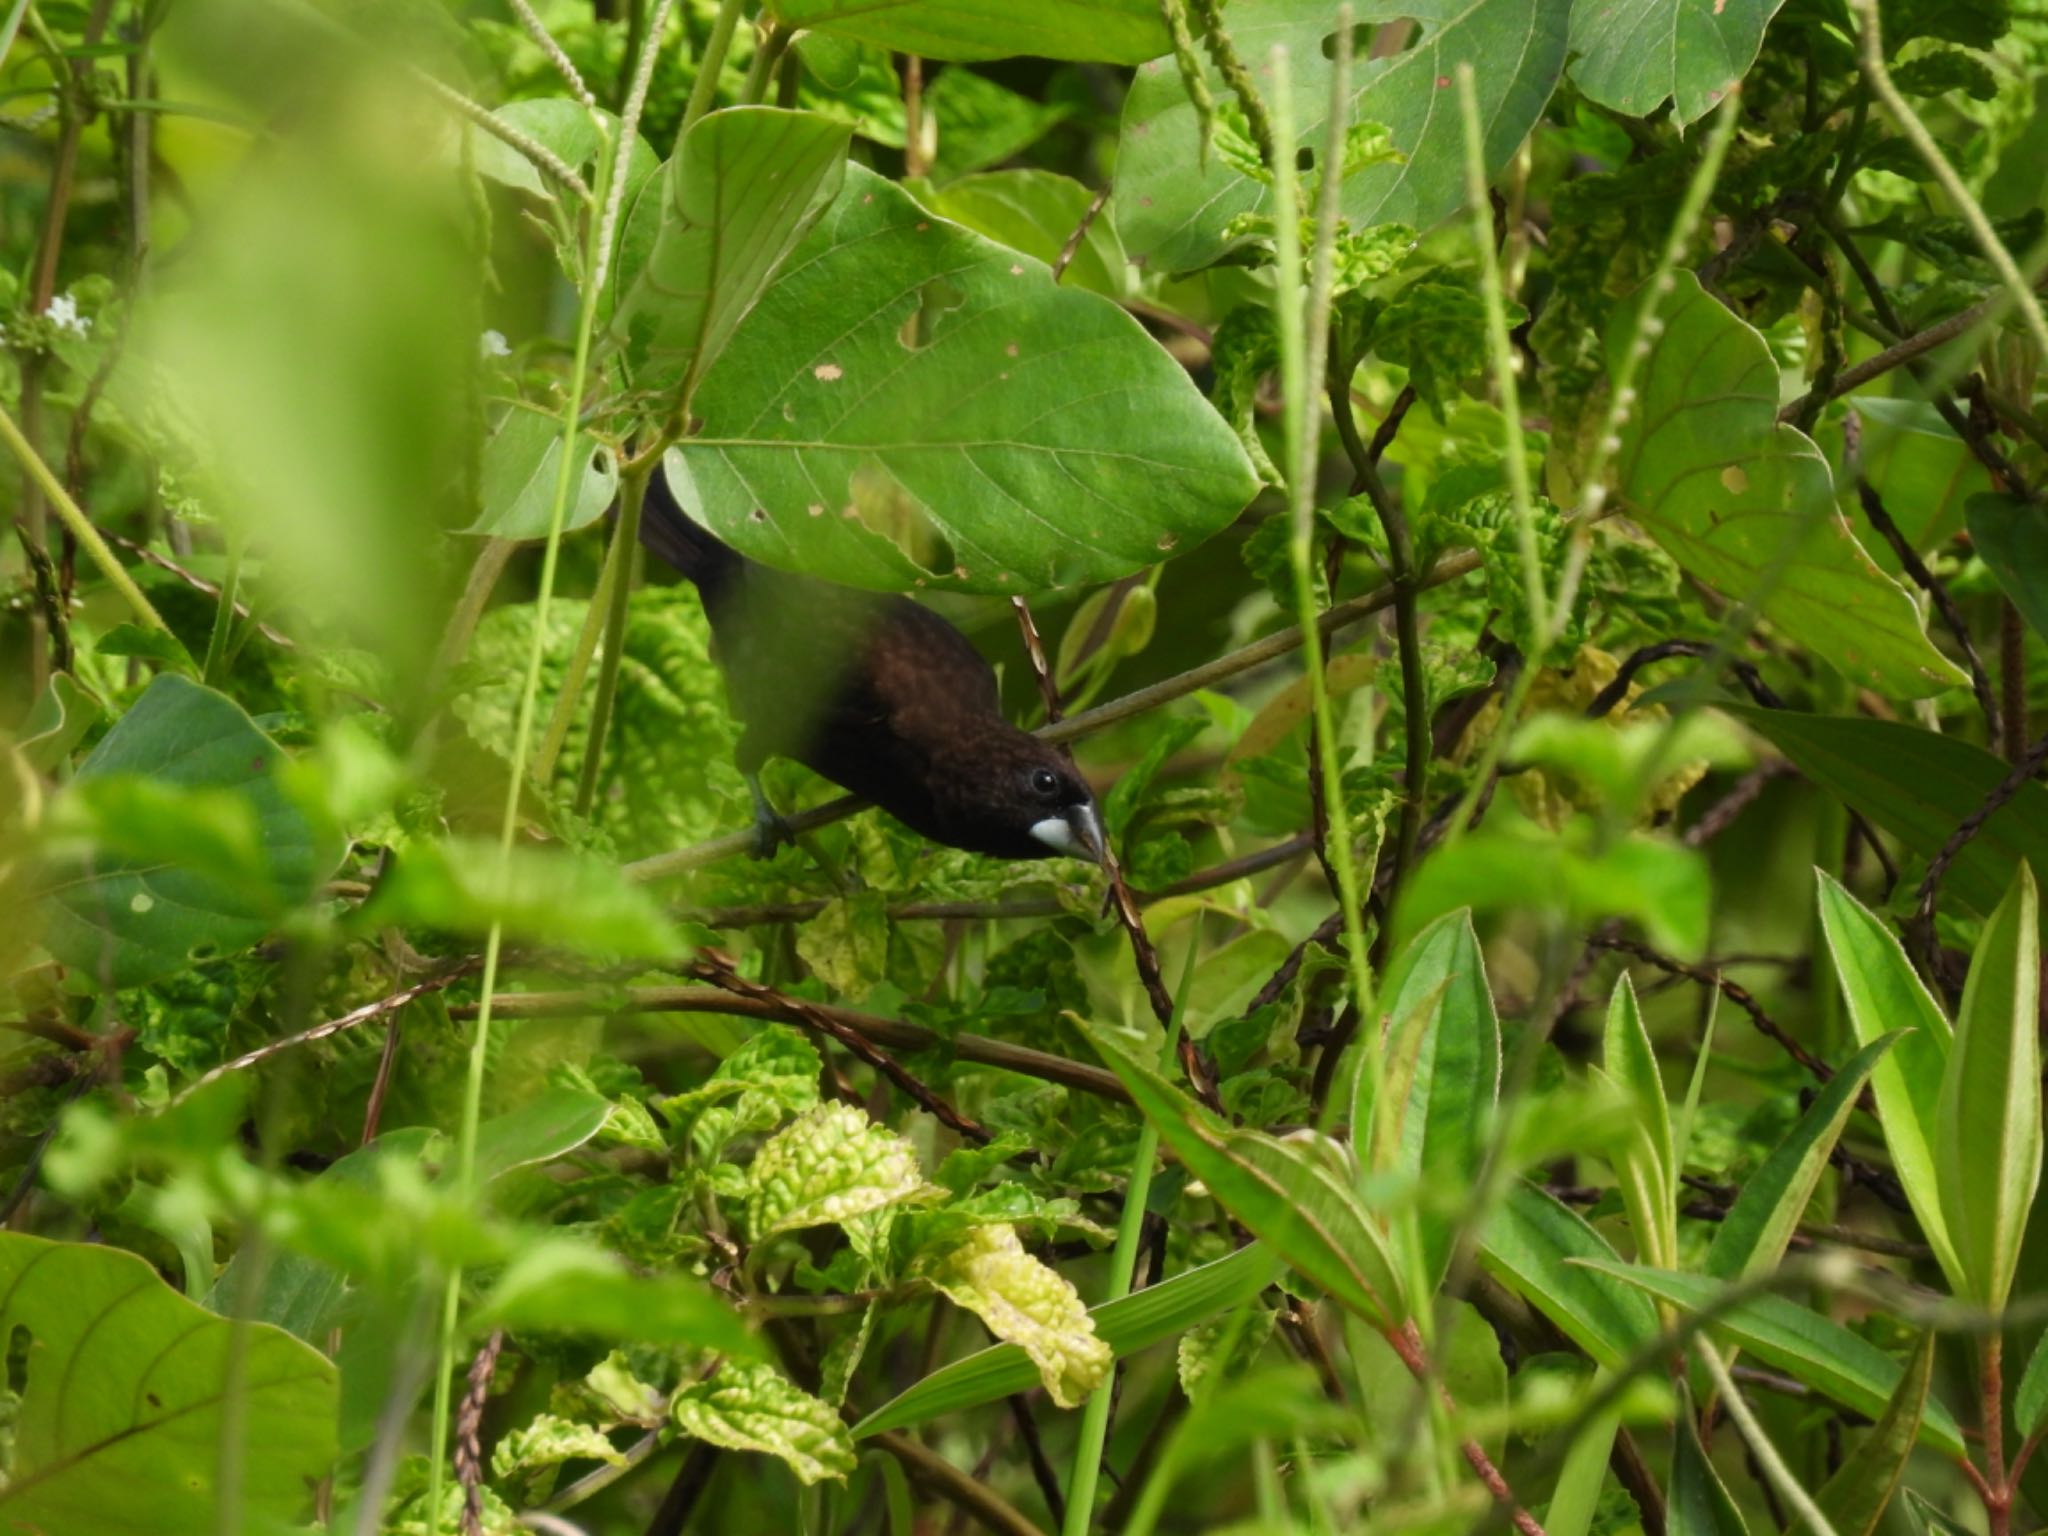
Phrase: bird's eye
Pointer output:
(1045, 782)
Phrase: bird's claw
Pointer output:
(770, 833)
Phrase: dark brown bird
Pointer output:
(879, 695)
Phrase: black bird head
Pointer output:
(1021, 799)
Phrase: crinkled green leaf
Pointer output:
(1126, 1325)
(912, 404)
(1754, 1234)
(1633, 55)
(1987, 1147)
(1225, 1346)
(847, 944)
(1029, 1305)
(546, 1441)
(124, 1400)
(1176, 213)
(1746, 504)
(1529, 1245)
(742, 189)
(203, 884)
(1102, 31)
(772, 1076)
(546, 896)
(756, 1408)
(830, 1166)
(1436, 329)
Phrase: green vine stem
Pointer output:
(619, 564)
(1303, 324)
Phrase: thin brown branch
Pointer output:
(1911, 563)
(2012, 675)
(1735, 992)
(1042, 1470)
(469, 1419)
(199, 583)
(1406, 1340)
(1271, 648)
(718, 969)
(928, 1467)
(2001, 796)
(1073, 246)
(1719, 816)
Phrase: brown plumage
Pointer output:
(879, 695)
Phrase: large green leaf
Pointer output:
(1917, 785)
(2012, 536)
(912, 404)
(741, 191)
(1856, 1496)
(1455, 1081)
(219, 857)
(1836, 1363)
(1746, 504)
(1883, 992)
(1633, 55)
(1174, 211)
(1530, 1245)
(1987, 1148)
(1101, 31)
(1126, 1325)
(1754, 1234)
(124, 1394)
(1922, 470)
(1036, 212)
(1287, 1193)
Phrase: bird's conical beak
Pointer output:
(1087, 825)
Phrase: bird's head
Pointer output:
(1017, 797)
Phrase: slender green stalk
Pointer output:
(522, 736)
(769, 48)
(223, 616)
(1967, 207)
(705, 90)
(80, 526)
(619, 570)
(1304, 324)
(1621, 400)
(1123, 1264)
(1776, 1473)
(578, 668)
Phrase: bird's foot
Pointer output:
(771, 831)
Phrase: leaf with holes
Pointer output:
(213, 857)
(1175, 212)
(912, 404)
(124, 1393)
(742, 190)
(1633, 55)
(1746, 504)
(1098, 31)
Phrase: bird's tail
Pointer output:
(683, 542)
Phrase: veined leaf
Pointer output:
(1034, 212)
(127, 918)
(1747, 504)
(124, 1400)
(1836, 1363)
(1987, 1150)
(750, 1407)
(1101, 31)
(830, 1165)
(1757, 1228)
(1856, 1496)
(1126, 1325)
(1632, 55)
(1648, 1164)
(910, 404)
(1283, 1191)
(742, 189)
(1455, 1079)
(1917, 785)
(1883, 991)
(1175, 212)
(1529, 1247)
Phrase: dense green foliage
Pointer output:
(1560, 1039)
